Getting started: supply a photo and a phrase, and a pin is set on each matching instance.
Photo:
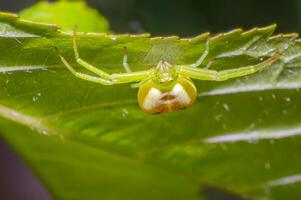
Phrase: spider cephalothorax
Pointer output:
(164, 74)
(166, 87)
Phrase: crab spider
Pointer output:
(165, 87)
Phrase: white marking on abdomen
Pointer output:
(181, 95)
(152, 99)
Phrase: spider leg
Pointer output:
(86, 76)
(130, 77)
(136, 85)
(104, 78)
(213, 75)
(86, 65)
(117, 78)
(200, 60)
(125, 62)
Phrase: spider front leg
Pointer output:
(103, 81)
(86, 65)
(104, 78)
(117, 78)
(200, 60)
(213, 75)
(125, 62)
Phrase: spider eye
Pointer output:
(165, 78)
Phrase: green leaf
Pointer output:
(89, 141)
(64, 12)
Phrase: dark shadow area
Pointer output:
(16, 180)
(192, 17)
(15, 5)
(189, 17)
(217, 194)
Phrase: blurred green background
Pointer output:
(159, 17)
(189, 17)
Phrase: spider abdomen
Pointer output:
(154, 98)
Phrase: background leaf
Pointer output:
(87, 141)
(63, 13)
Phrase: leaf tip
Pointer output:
(198, 38)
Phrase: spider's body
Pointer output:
(166, 91)
(166, 87)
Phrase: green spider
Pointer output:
(166, 87)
